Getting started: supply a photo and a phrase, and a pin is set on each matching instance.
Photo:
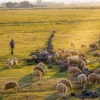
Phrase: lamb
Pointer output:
(82, 80)
(72, 44)
(93, 46)
(83, 46)
(40, 69)
(37, 74)
(96, 54)
(10, 85)
(41, 64)
(74, 70)
(62, 89)
(93, 77)
(66, 82)
(82, 54)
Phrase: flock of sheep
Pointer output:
(73, 61)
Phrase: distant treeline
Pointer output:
(23, 4)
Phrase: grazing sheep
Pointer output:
(81, 64)
(15, 62)
(82, 54)
(52, 59)
(93, 77)
(74, 61)
(72, 44)
(41, 64)
(10, 85)
(62, 89)
(82, 80)
(37, 74)
(73, 52)
(97, 71)
(83, 46)
(10, 63)
(40, 69)
(66, 55)
(93, 46)
(83, 58)
(96, 54)
(74, 70)
(66, 82)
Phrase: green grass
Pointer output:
(30, 30)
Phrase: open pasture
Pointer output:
(30, 30)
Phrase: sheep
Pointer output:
(41, 64)
(93, 77)
(12, 62)
(93, 46)
(62, 89)
(72, 44)
(82, 79)
(74, 70)
(40, 69)
(81, 64)
(10, 85)
(66, 82)
(9, 63)
(83, 58)
(82, 54)
(52, 59)
(74, 61)
(37, 74)
(15, 62)
(66, 55)
(96, 54)
(97, 71)
(73, 52)
(83, 46)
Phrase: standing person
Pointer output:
(12, 46)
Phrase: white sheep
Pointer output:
(62, 89)
(82, 79)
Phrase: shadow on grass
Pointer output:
(26, 81)
(53, 97)
(3, 69)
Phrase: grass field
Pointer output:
(30, 30)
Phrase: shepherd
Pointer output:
(12, 46)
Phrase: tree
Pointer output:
(9, 4)
(25, 4)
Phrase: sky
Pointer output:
(65, 1)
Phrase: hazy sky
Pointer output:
(65, 1)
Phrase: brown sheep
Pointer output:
(96, 54)
(10, 85)
(40, 69)
(81, 64)
(93, 77)
(66, 82)
(97, 71)
(62, 89)
(74, 70)
(73, 52)
(37, 74)
(82, 80)
(41, 64)
(93, 46)
(72, 44)
(83, 46)
(82, 54)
